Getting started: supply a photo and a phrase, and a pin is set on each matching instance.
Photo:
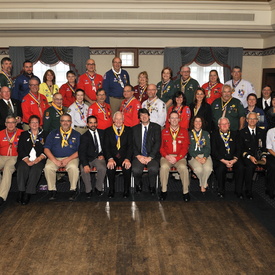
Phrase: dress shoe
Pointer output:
(138, 188)
(1, 201)
(52, 195)
(249, 195)
(99, 193)
(239, 196)
(89, 195)
(221, 195)
(125, 194)
(111, 194)
(186, 197)
(73, 195)
(20, 196)
(162, 196)
(152, 190)
(26, 199)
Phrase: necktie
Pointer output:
(265, 104)
(96, 143)
(144, 150)
(253, 135)
(10, 106)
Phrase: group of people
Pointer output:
(106, 123)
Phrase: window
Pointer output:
(59, 69)
(201, 74)
(129, 57)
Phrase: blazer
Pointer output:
(87, 150)
(25, 145)
(153, 140)
(250, 147)
(110, 144)
(4, 112)
(218, 150)
(260, 104)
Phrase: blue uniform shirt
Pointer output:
(53, 143)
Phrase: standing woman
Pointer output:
(68, 89)
(213, 88)
(199, 150)
(165, 88)
(179, 105)
(199, 107)
(78, 111)
(140, 90)
(270, 114)
(48, 88)
(31, 160)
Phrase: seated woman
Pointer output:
(31, 160)
(251, 107)
(179, 105)
(213, 88)
(199, 150)
(199, 107)
(166, 87)
(141, 89)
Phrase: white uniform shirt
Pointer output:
(75, 113)
(270, 139)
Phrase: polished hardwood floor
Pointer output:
(134, 237)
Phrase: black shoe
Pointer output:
(89, 195)
(73, 195)
(249, 195)
(138, 188)
(20, 196)
(186, 197)
(152, 190)
(26, 199)
(221, 195)
(162, 196)
(239, 196)
(125, 194)
(52, 195)
(111, 194)
(99, 193)
(1, 201)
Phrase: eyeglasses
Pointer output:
(34, 85)
(65, 120)
(90, 64)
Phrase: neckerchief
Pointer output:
(118, 135)
(225, 139)
(103, 109)
(183, 83)
(197, 137)
(65, 136)
(71, 88)
(10, 140)
(126, 103)
(150, 103)
(117, 75)
(163, 88)
(92, 78)
(235, 85)
(224, 106)
(196, 110)
(142, 91)
(37, 100)
(7, 76)
(174, 134)
(210, 87)
(58, 109)
(80, 109)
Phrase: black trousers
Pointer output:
(270, 165)
(249, 169)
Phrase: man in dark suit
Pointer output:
(9, 107)
(146, 143)
(264, 102)
(118, 152)
(226, 154)
(90, 153)
(253, 145)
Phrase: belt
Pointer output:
(82, 127)
(117, 97)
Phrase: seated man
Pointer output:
(146, 145)
(61, 148)
(226, 153)
(252, 140)
(90, 155)
(8, 155)
(118, 152)
(173, 149)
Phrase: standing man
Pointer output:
(241, 88)
(129, 107)
(90, 82)
(228, 107)
(61, 148)
(9, 107)
(270, 165)
(155, 106)
(5, 73)
(51, 117)
(118, 152)
(173, 149)
(114, 82)
(8, 155)
(101, 110)
(146, 143)
(253, 147)
(91, 155)
(264, 102)
(226, 154)
(33, 103)
(187, 84)
(21, 83)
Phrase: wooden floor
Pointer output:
(133, 238)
